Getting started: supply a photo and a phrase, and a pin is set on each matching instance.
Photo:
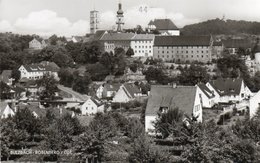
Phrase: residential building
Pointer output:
(207, 97)
(254, 104)
(92, 106)
(109, 90)
(94, 21)
(134, 76)
(5, 110)
(229, 90)
(163, 98)
(127, 92)
(36, 44)
(233, 45)
(183, 48)
(37, 71)
(142, 44)
(111, 41)
(164, 26)
(257, 58)
(6, 77)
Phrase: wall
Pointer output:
(142, 48)
(121, 96)
(89, 107)
(183, 53)
(149, 119)
(254, 104)
(197, 108)
(111, 45)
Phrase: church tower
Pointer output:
(120, 18)
(94, 21)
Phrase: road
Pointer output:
(77, 96)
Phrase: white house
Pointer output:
(207, 97)
(37, 71)
(37, 45)
(163, 98)
(6, 77)
(108, 90)
(126, 93)
(229, 90)
(254, 104)
(142, 44)
(5, 110)
(164, 26)
(92, 106)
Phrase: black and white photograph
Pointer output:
(130, 81)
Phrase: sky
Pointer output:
(71, 17)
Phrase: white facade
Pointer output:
(254, 104)
(7, 112)
(36, 74)
(99, 91)
(257, 61)
(35, 44)
(207, 102)
(90, 107)
(142, 48)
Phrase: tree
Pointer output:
(5, 91)
(156, 74)
(81, 82)
(193, 75)
(66, 77)
(49, 85)
(53, 39)
(130, 52)
(134, 128)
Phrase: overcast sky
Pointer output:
(71, 17)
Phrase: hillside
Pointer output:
(218, 26)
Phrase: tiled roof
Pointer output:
(217, 43)
(97, 102)
(117, 36)
(206, 90)
(112, 87)
(43, 66)
(182, 41)
(227, 86)
(163, 24)
(182, 97)
(143, 37)
(98, 35)
(131, 89)
(5, 76)
(237, 43)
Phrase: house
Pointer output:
(35, 108)
(110, 41)
(134, 76)
(207, 97)
(109, 89)
(164, 26)
(92, 106)
(254, 104)
(6, 77)
(233, 45)
(163, 98)
(229, 90)
(183, 48)
(142, 44)
(37, 71)
(36, 44)
(5, 110)
(127, 92)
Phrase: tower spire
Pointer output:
(120, 17)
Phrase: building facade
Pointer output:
(164, 26)
(183, 48)
(94, 21)
(142, 44)
(92, 106)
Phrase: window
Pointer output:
(163, 56)
(162, 51)
(202, 51)
(201, 56)
(167, 56)
(187, 51)
(186, 56)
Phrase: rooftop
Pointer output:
(227, 86)
(163, 24)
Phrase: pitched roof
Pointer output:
(3, 105)
(217, 43)
(117, 36)
(97, 102)
(206, 90)
(143, 37)
(227, 86)
(33, 107)
(163, 24)
(99, 34)
(6, 75)
(41, 67)
(237, 43)
(182, 41)
(112, 87)
(131, 89)
(182, 97)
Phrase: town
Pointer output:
(146, 94)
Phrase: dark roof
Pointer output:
(97, 102)
(227, 86)
(217, 43)
(163, 24)
(237, 43)
(143, 37)
(206, 90)
(5, 76)
(99, 34)
(182, 97)
(112, 87)
(257, 48)
(182, 41)
(43, 66)
(131, 89)
(117, 36)
(33, 107)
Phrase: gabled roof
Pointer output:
(117, 36)
(6, 75)
(3, 106)
(206, 90)
(97, 102)
(41, 67)
(112, 87)
(217, 43)
(99, 34)
(182, 41)
(131, 89)
(143, 37)
(237, 43)
(182, 97)
(227, 86)
(163, 24)
(33, 107)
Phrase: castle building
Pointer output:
(120, 18)
(94, 21)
